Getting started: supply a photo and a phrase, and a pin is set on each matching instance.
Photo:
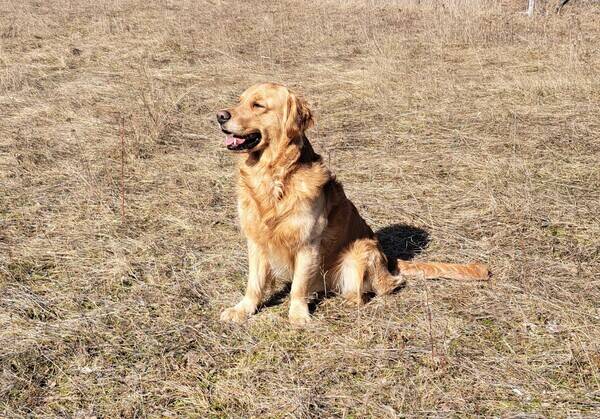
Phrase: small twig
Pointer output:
(429, 319)
(530, 7)
(560, 5)
(122, 136)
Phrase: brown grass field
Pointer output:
(462, 129)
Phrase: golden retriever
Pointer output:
(298, 222)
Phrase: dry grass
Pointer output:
(479, 126)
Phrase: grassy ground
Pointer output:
(477, 127)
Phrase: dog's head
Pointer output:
(267, 114)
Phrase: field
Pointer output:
(463, 130)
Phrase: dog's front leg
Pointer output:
(305, 268)
(258, 281)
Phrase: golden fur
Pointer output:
(297, 220)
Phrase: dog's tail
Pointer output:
(432, 270)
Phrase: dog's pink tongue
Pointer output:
(231, 140)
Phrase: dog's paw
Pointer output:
(299, 316)
(234, 314)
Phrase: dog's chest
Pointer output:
(281, 233)
(280, 223)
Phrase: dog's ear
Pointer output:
(305, 116)
(299, 117)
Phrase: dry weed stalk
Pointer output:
(122, 143)
(430, 325)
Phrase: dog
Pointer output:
(297, 220)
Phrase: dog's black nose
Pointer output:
(223, 116)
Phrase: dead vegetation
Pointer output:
(464, 119)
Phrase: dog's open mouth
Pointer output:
(241, 142)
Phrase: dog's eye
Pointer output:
(257, 105)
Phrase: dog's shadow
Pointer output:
(398, 241)
(401, 241)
